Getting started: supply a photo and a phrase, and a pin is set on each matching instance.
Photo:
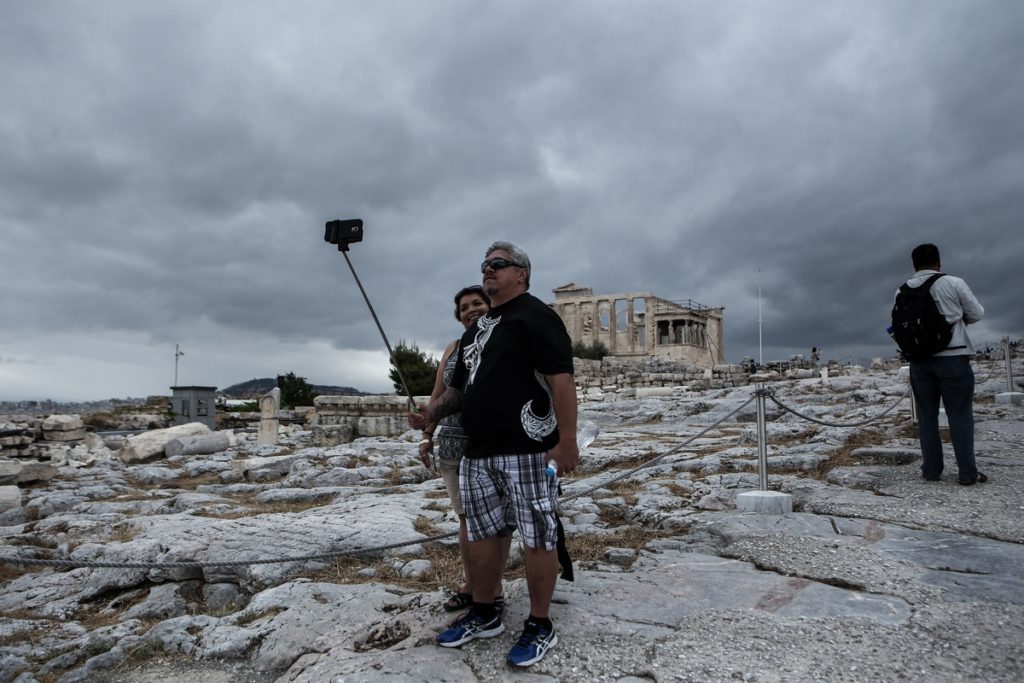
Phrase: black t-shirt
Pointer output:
(507, 405)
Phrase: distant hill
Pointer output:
(257, 387)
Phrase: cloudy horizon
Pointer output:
(168, 168)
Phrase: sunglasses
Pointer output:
(497, 264)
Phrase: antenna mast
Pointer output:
(178, 353)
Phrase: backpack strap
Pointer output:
(931, 281)
(928, 286)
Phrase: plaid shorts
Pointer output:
(503, 492)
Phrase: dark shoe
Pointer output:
(458, 602)
(534, 643)
(927, 478)
(979, 478)
(468, 628)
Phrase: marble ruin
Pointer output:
(270, 414)
(643, 326)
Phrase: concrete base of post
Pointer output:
(1008, 397)
(765, 502)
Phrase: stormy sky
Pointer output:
(167, 168)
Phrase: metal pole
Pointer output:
(391, 354)
(1009, 366)
(177, 354)
(762, 439)
(760, 353)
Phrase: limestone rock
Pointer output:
(152, 443)
(164, 601)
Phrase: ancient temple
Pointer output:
(642, 325)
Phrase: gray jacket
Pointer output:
(957, 302)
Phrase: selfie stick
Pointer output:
(344, 233)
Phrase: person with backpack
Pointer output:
(929, 323)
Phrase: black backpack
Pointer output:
(919, 328)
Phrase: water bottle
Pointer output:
(585, 436)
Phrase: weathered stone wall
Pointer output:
(339, 419)
(29, 436)
(613, 374)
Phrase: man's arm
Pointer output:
(566, 453)
(973, 311)
(448, 403)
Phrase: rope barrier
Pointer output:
(655, 461)
(770, 395)
(995, 369)
(74, 564)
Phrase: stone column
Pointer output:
(613, 327)
(270, 412)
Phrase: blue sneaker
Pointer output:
(534, 643)
(468, 627)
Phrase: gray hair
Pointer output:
(515, 255)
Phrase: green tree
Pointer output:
(418, 368)
(295, 391)
(595, 351)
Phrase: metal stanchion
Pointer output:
(762, 440)
(763, 500)
(1009, 365)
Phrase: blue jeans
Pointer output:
(951, 379)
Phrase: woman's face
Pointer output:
(471, 307)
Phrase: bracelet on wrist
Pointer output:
(426, 441)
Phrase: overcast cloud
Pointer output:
(167, 169)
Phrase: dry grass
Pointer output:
(248, 617)
(446, 570)
(842, 457)
(184, 483)
(17, 636)
(257, 508)
(800, 437)
(589, 549)
(625, 488)
(9, 572)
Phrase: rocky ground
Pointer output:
(877, 575)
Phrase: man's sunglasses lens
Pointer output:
(496, 264)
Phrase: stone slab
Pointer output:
(1009, 397)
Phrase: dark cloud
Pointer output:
(167, 171)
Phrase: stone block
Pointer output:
(62, 423)
(654, 391)
(764, 502)
(268, 433)
(1009, 397)
(64, 436)
(9, 472)
(10, 498)
(327, 436)
(620, 556)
